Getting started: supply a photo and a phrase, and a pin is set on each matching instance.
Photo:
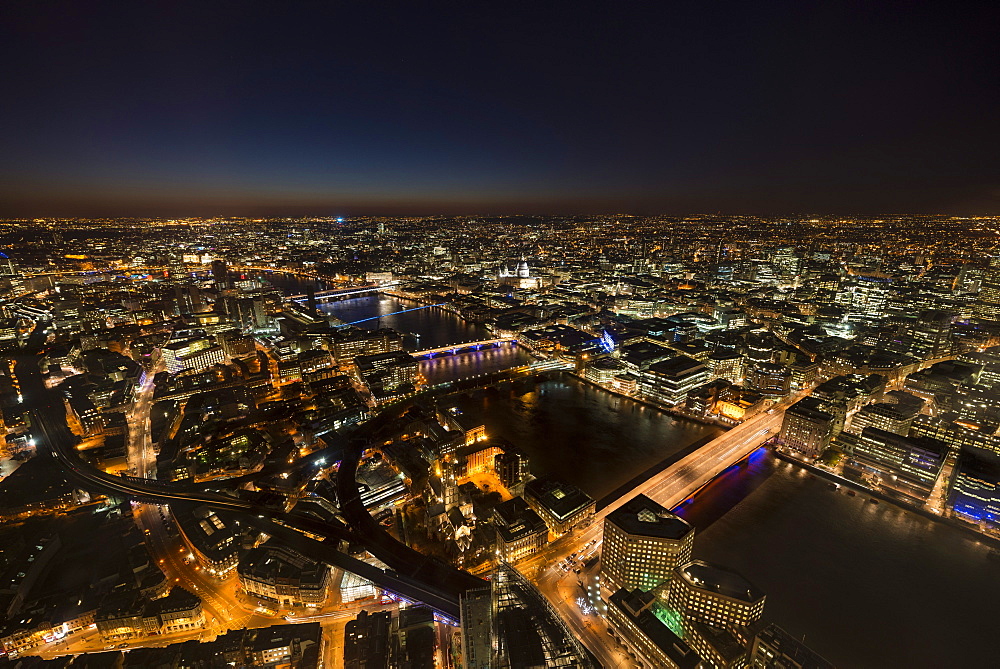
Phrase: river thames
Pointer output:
(868, 585)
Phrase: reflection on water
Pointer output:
(435, 326)
(870, 585)
(463, 365)
(584, 435)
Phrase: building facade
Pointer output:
(643, 544)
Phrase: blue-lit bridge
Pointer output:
(394, 313)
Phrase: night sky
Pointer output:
(322, 108)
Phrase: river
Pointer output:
(554, 422)
(868, 585)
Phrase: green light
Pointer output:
(670, 618)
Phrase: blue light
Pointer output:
(607, 343)
(340, 220)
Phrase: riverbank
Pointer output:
(859, 579)
(653, 405)
(858, 487)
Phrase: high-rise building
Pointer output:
(511, 624)
(220, 272)
(715, 605)
(760, 348)
(988, 304)
(476, 609)
(931, 334)
(713, 595)
(643, 545)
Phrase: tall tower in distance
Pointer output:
(988, 305)
(220, 272)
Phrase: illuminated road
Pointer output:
(669, 488)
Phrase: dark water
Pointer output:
(289, 284)
(581, 434)
(869, 585)
(464, 365)
(568, 428)
(435, 326)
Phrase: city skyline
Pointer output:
(210, 109)
(487, 336)
(316, 440)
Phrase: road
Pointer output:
(223, 608)
(669, 488)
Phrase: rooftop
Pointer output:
(562, 499)
(719, 580)
(642, 516)
(634, 605)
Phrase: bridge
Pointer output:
(381, 316)
(335, 293)
(466, 346)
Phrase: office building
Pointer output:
(974, 493)
(284, 577)
(366, 641)
(476, 610)
(669, 381)
(987, 305)
(716, 596)
(770, 379)
(774, 648)
(902, 466)
(220, 272)
(561, 505)
(520, 530)
(895, 418)
(806, 429)
(643, 545)
(631, 619)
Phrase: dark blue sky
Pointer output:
(175, 108)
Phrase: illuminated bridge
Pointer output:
(467, 346)
(342, 292)
(394, 313)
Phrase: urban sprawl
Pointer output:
(201, 465)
